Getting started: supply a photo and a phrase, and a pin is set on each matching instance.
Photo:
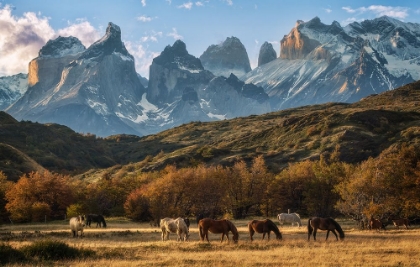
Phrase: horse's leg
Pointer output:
(334, 232)
(328, 232)
(315, 229)
(263, 235)
(251, 234)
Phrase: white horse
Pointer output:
(76, 225)
(178, 226)
(290, 218)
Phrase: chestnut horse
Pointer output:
(217, 227)
(326, 224)
(264, 227)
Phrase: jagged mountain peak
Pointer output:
(226, 58)
(108, 44)
(61, 46)
(267, 54)
(178, 56)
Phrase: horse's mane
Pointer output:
(338, 228)
(297, 215)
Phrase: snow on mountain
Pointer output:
(321, 63)
(12, 88)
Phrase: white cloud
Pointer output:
(187, 5)
(174, 34)
(144, 18)
(229, 2)
(143, 2)
(379, 10)
(199, 3)
(142, 56)
(153, 37)
(21, 38)
(327, 10)
(348, 9)
(83, 30)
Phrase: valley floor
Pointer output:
(125, 243)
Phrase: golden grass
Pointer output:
(125, 243)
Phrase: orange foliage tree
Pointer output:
(37, 195)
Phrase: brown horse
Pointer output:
(326, 224)
(217, 227)
(376, 224)
(264, 227)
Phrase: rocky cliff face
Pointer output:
(180, 87)
(321, 63)
(267, 54)
(226, 58)
(92, 90)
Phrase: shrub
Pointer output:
(10, 255)
(54, 250)
(75, 210)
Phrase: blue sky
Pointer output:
(149, 25)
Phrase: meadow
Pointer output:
(126, 243)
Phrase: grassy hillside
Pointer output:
(358, 131)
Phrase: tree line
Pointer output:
(387, 184)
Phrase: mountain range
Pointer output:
(96, 90)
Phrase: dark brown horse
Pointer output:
(217, 227)
(326, 224)
(263, 227)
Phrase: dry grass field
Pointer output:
(124, 243)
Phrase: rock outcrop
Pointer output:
(226, 58)
(267, 54)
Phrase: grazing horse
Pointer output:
(289, 217)
(99, 219)
(217, 227)
(264, 227)
(397, 222)
(326, 224)
(76, 225)
(178, 226)
(376, 224)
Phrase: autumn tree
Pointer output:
(39, 192)
(5, 185)
(247, 187)
(386, 185)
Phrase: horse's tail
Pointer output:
(310, 229)
(201, 231)
(338, 228)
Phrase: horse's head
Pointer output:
(82, 220)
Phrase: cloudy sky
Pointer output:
(149, 25)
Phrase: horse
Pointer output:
(328, 224)
(76, 225)
(217, 227)
(178, 226)
(376, 224)
(264, 227)
(397, 222)
(99, 219)
(289, 217)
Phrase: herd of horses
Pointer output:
(180, 226)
